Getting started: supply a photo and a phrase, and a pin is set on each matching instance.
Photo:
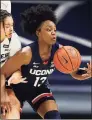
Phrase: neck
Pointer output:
(44, 50)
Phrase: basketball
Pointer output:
(67, 59)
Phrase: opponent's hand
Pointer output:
(5, 103)
(15, 79)
(88, 70)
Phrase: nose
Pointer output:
(53, 32)
(11, 29)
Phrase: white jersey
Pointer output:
(9, 48)
(15, 44)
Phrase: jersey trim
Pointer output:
(36, 99)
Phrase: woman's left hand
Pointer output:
(88, 70)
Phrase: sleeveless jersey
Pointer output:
(5, 51)
(8, 48)
(38, 71)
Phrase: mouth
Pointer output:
(54, 38)
(10, 35)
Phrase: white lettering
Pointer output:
(32, 72)
(41, 72)
(37, 72)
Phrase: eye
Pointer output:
(48, 29)
(7, 26)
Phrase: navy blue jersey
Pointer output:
(38, 71)
(36, 90)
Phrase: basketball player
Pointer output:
(6, 5)
(8, 49)
(36, 62)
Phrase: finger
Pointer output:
(6, 107)
(85, 75)
(90, 62)
(3, 109)
(83, 68)
(24, 81)
(88, 65)
(10, 80)
(86, 69)
(9, 107)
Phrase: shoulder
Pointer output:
(15, 39)
(14, 35)
(27, 53)
(26, 50)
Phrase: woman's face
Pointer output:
(8, 26)
(47, 32)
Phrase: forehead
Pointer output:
(8, 20)
(48, 23)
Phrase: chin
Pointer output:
(53, 42)
(9, 36)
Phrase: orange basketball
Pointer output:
(67, 59)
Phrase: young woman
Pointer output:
(8, 49)
(36, 62)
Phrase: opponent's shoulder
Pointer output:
(15, 38)
(14, 34)
(15, 44)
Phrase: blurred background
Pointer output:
(74, 27)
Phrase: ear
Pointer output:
(38, 32)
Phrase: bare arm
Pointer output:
(2, 86)
(22, 57)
